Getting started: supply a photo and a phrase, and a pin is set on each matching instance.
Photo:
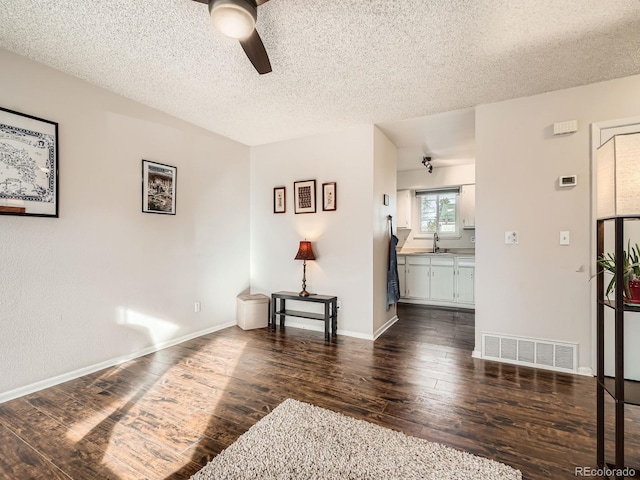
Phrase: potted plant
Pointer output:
(630, 272)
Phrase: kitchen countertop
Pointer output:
(467, 252)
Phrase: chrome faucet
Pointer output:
(436, 248)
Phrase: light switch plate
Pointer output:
(511, 238)
(564, 237)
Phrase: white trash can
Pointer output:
(253, 311)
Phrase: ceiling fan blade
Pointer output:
(254, 48)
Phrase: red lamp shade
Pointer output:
(305, 252)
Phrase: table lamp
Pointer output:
(305, 252)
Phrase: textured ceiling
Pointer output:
(335, 63)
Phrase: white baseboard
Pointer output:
(320, 328)
(434, 303)
(385, 327)
(346, 333)
(476, 354)
(65, 377)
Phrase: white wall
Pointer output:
(342, 239)
(539, 288)
(420, 179)
(384, 182)
(104, 280)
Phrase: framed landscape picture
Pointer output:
(279, 200)
(329, 201)
(28, 165)
(304, 196)
(158, 188)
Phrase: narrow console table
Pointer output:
(330, 315)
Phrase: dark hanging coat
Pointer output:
(393, 280)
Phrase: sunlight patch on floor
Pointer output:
(166, 442)
(125, 431)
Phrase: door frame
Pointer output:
(596, 131)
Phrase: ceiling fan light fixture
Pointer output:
(233, 18)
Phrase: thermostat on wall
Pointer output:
(568, 181)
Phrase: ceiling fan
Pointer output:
(237, 19)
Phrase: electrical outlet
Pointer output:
(339, 304)
(511, 238)
(473, 239)
(196, 307)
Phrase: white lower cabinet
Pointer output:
(466, 282)
(418, 275)
(429, 279)
(402, 275)
(442, 279)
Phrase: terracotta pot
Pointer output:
(634, 289)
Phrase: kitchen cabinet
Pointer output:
(418, 276)
(442, 279)
(465, 280)
(468, 206)
(402, 275)
(437, 279)
(404, 202)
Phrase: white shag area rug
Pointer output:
(301, 441)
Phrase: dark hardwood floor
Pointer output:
(163, 416)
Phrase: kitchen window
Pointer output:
(439, 211)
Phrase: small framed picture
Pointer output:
(329, 202)
(304, 195)
(28, 165)
(158, 188)
(279, 200)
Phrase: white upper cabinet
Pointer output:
(404, 200)
(468, 206)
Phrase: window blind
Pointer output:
(438, 191)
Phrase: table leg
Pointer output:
(283, 307)
(272, 319)
(327, 319)
(334, 318)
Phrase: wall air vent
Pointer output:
(548, 354)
